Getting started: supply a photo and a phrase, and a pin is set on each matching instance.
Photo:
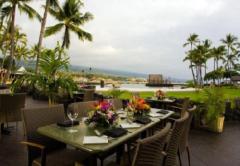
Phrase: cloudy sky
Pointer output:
(143, 36)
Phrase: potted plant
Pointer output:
(115, 93)
(215, 107)
(51, 80)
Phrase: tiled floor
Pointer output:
(207, 149)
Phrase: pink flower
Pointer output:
(110, 114)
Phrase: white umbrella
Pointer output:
(21, 70)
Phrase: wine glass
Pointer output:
(72, 115)
(130, 117)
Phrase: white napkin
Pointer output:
(122, 115)
(95, 140)
(154, 110)
(121, 112)
(153, 114)
(168, 100)
(130, 125)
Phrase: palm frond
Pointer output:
(83, 19)
(53, 29)
(185, 44)
(54, 3)
(66, 38)
(82, 35)
(6, 11)
(32, 13)
(57, 13)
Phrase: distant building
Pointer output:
(235, 79)
(157, 80)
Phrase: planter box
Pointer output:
(217, 125)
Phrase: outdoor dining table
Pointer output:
(78, 95)
(76, 139)
(160, 102)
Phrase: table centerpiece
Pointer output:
(159, 94)
(103, 115)
(138, 106)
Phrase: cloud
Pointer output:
(144, 35)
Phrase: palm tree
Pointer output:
(230, 42)
(207, 44)
(192, 41)
(49, 3)
(9, 10)
(20, 46)
(1, 16)
(5, 22)
(70, 18)
(218, 54)
(198, 58)
(33, 51)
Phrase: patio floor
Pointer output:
(207, 149)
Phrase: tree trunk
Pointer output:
(64, 42)
(2, 42)
(228, 59)
(201, 79)
(217, 69)
(205, 71)
(196, 68)
(214, 69)
(197, 75)
(12, 44)
(193, 75)
(42, 30)
(64, 38)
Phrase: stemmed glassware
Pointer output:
(130, 117)
(72, 115)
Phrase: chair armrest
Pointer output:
(31, 144)
(171, 120)
(39, 147)
(175, 107)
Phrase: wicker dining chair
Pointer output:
(184, 144)
(180, 108)
(173, 143)
(82, 107)
(88, 95)
(117, 103)
(10, 107)
(43, 150)
(149, 150)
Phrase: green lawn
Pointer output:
(229, 93)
